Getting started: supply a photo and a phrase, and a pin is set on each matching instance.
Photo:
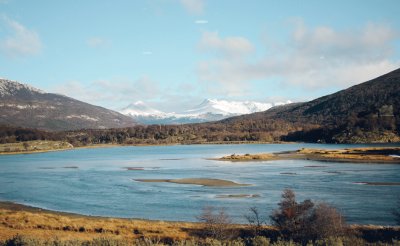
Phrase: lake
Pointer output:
(97, 182)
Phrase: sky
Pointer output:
(173, 54)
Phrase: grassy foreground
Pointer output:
(23, 225)
(46, 225)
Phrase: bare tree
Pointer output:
(325, 221)
(255, 220)
(216, 224)
(396, 212)
(26, 145)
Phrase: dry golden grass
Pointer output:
(366, 155)
(49, 225)
(371, 154)
(36, 146)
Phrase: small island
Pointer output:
(250, 157)
(356, 155)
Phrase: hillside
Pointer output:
(367, 112)
(24, 106)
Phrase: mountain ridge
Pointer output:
(26, 106)
(366, 110)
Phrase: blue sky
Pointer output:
(172, 54)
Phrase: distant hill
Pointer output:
(367, 112)
(24, 106)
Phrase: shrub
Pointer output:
(216, 224)
(306, 221)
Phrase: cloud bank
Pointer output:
(193, 6)
(311, 58)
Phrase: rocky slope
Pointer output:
(25, 106)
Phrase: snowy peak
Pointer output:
(208, 110)
(228, 108)
(139, 108)
(12, 88)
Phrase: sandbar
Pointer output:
(379, 183)
(238, 196)
(195, 181)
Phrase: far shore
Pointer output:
(22, 150)
(389, 155)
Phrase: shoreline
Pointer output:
(20, 207)
(43, 225)
(94, 146)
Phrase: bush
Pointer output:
(306, 221)
(216, 224)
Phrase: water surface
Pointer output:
(99, 182)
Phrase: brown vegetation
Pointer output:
(367, 155)
(307, 221)
(371, 154)
(36, 146)
(250, 157)
(21, 225)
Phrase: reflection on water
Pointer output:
(101, 182)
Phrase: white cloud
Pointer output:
(227, 47)
(201, 22)
(193, 6)
(20, 41)
(312, 58)
(111, 93)
(95, 42)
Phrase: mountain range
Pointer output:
(208, 110)
(364, 113)
(25, 106)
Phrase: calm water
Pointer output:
(96, 182)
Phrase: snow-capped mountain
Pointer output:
(208, 110)
(139, 108)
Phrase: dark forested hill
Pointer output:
(24, 106)
(367, 112)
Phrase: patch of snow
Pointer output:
(10, 87)
(25, 106)
(82, 116)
